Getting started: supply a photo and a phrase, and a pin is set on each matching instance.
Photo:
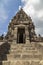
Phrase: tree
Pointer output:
(2, 37)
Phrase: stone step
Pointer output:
(23, 45)
(24, 48)
(6, 62)
(23, 51)
(19, 45)
(28, 51)
(22, 62)
(24, 56)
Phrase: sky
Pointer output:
(33, 8)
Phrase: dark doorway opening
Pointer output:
(21, 35)
(21, 38)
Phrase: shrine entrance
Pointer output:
(21, 35)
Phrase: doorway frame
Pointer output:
(23, 32)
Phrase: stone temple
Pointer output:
(21, 46)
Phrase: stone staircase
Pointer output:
(22, 53)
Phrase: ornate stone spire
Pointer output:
(23, 20)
